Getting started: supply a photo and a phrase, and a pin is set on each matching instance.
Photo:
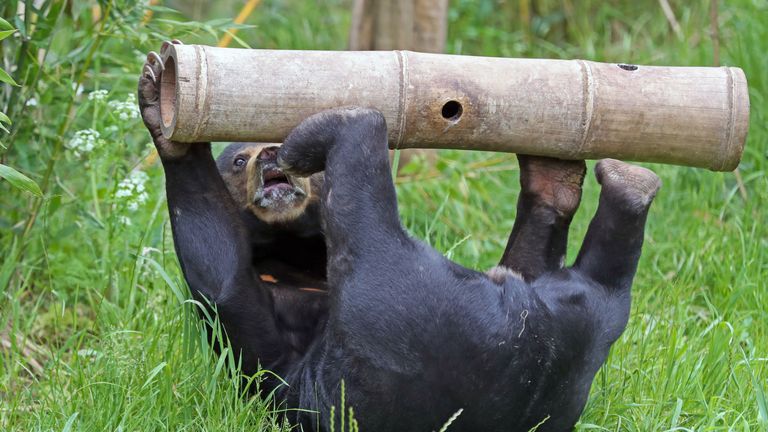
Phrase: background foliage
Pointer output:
(95, 330)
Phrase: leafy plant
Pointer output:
(10, 174)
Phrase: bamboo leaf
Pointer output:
(4, 118)
(5, 25)
(5, 33)
(157, 8)
(20, 25)
(20, 181)
(4, 77)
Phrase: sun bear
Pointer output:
(414, 337)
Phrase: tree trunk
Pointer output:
(416, 25)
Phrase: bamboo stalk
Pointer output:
(571, 109)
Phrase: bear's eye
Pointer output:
(239, 161)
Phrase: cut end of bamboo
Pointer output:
(168, 99)
(738, 123)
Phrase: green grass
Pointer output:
(96, 332)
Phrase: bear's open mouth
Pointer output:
(274, 178)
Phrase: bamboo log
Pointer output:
(570, 109)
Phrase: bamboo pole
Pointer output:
(571, 109)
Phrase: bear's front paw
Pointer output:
(149, 105)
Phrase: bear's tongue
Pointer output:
(275, 181)
(275, 178)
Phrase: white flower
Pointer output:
(84, 141)
(98, 95)
(125, 110)
(132, 190)
(31, 102)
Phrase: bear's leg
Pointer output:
(550, 191)
(611, 249)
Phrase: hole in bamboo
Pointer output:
(168, 93)
(628, 67)
(452, 110)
